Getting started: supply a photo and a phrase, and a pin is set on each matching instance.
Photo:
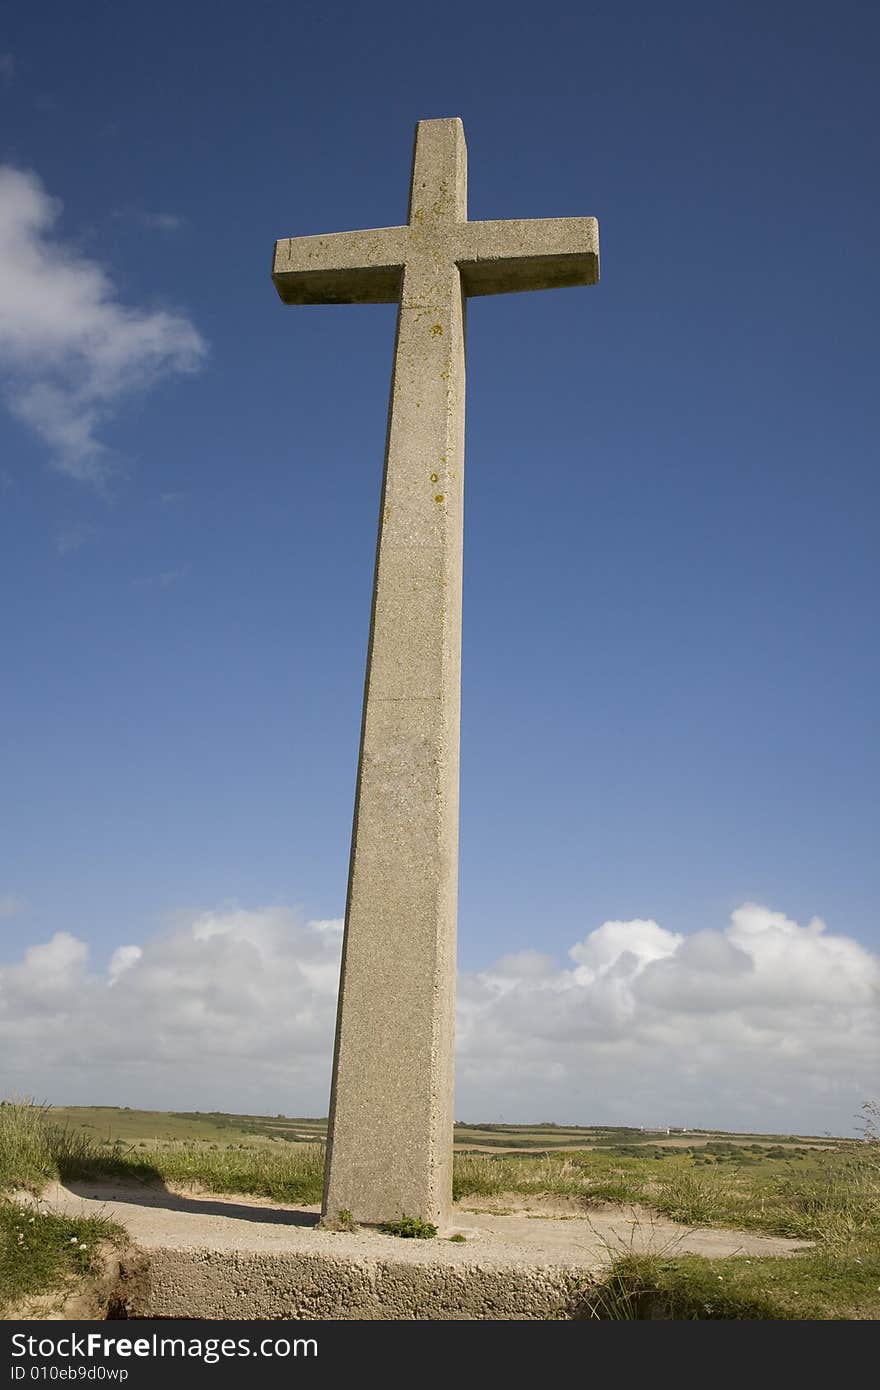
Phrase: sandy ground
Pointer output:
(543, 1233)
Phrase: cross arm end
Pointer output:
(530, 254)
(341, 268)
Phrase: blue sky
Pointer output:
(670, 656)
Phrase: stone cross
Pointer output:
(389, 1146)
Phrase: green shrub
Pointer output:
(409, 1228)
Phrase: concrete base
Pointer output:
(206, 1256)
(211, 1284)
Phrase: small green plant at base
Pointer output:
(343, 1221)
(458, 1238)
(409, 1228)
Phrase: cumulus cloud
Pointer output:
(70, 351)
(764, 1024)
(233, 1009)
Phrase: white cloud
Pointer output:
(766, 1024)
(603, 949)
(123, 958)
(235, 1007)
(70, 350)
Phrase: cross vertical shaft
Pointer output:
(389, 1142)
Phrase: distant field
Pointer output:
(149, 1128)
(108, 1124)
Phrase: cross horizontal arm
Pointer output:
(341, 268)
(527, 254)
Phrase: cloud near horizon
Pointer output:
(765, 1024)
(69, 350)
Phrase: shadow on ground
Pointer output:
(152, 1192)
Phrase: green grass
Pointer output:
(410, 1228)
(804, 1197)
(834, 1201)
(294, 1174)
(796, 1192)
(823, 1284)
(830, 1197)
(156, 1128)
(41, 1252)
(33, 1149)
(827, 1192)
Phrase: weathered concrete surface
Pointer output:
(389, 1149)
(206, 1256)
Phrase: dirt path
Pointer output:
(543, 1233)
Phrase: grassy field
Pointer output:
(816, 1188)
(158, 1128)
(107, 1124)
